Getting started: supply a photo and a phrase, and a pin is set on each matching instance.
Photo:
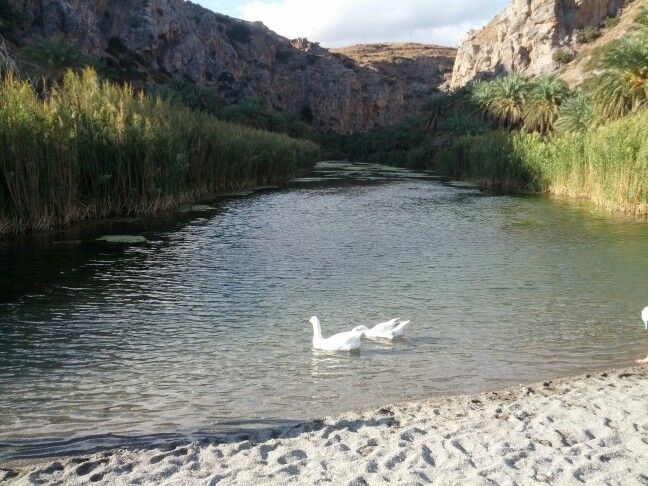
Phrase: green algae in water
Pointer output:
(196, 208)
(122, 239)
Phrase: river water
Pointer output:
(203, 328)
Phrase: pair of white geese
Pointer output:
(351, 340)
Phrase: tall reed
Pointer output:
(607, 164)
(94, 149)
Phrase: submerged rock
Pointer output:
(196, 208)
(122, 239)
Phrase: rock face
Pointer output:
(150, 41)
(525, 36)
(417, 69)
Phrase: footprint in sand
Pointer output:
(397, 459)
(368, 448)
(88, 467)
(292, 457)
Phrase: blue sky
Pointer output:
(344, 22)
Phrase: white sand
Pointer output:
(590, 430)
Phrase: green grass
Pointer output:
(607, 164)
(95, 149)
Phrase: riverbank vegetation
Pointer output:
(536, 134)
(91, 148)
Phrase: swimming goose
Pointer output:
(385, 330)
(344, 341)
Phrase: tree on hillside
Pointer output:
(503, 99)
(545, 95)
(50, 58)
(622, 86)
(575, 113)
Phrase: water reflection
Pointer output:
(205, 322)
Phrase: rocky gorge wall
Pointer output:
(525, 37)
(150, 41)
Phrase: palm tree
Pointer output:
(503, 99)
(545, 95)
(575, 113)
(52, 57)
(622, 86)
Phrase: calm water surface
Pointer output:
(204, 327)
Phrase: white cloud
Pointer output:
(345, 22)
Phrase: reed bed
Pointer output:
(94, 149)
(607, 164)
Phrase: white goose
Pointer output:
(390, 329)
(344, 341)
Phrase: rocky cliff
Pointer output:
(150, 41)
(526, 35)
(416, 65)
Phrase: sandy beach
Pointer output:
(589, 429)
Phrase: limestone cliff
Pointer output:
(150, 41)
(421, 67)
(525, 36)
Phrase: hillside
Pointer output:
(527, 36)
(587, 54)
(147, 42)
(422, 67)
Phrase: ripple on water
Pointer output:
(205, 324)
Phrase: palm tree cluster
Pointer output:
(621, 87)
(545, 104)
(515, 101)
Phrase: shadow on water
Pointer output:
(41, 263)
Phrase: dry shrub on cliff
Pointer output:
(563, 56)
(587, 34)
(94, 149)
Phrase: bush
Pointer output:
(587, 35)
(641, 20)
(563, 56)
(610, 22)
(607, 165)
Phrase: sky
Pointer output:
(336, 23)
